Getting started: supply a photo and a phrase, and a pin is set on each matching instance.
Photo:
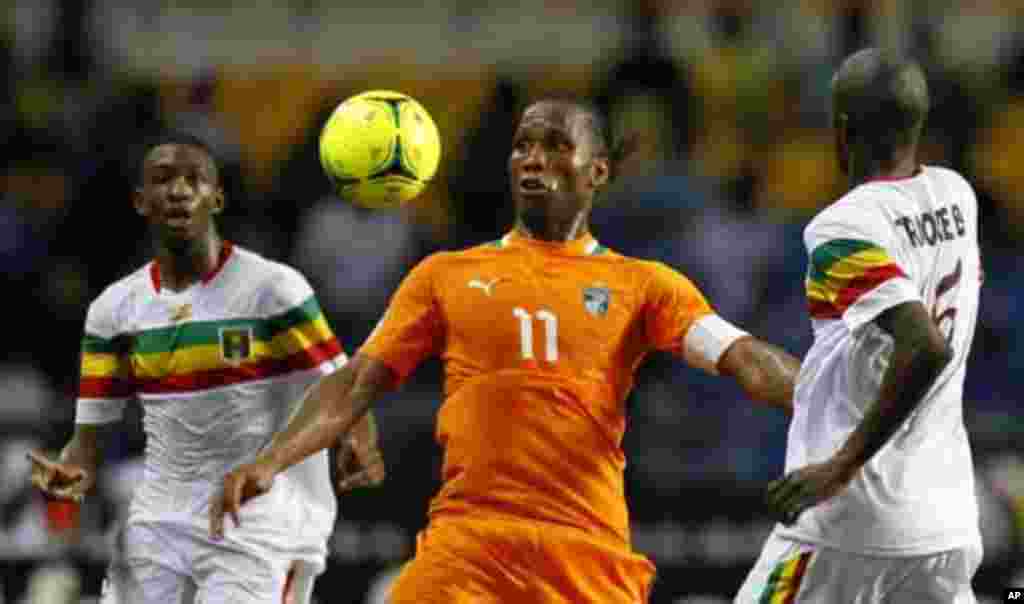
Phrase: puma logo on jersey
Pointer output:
(181, 313)
(487, 287)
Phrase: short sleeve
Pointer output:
(105, 378)
(853, 270)
(411, 328)
(672, 303)
(301, 339)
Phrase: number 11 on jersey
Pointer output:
(526, 333)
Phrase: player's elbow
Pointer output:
(937, 355)
(932, 354)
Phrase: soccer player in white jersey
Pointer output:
(878, 504)
(215, 342)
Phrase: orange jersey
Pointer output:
(540, 342)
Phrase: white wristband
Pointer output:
(98, 411)
(707, 340)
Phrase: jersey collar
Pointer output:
(915, 174)
(586, 245)
(225, 252)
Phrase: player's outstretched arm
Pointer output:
(764, 371)
(73, 473)
(919, 355)
(330, 409)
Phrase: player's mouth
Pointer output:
(533, 185)
(177, 218)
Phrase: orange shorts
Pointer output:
(462, 560)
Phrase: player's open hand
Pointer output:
(359, 464)
(240, 485)
(60, 480)
(789, 496)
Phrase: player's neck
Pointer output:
(902, 165)
(182, 265)
(557, 231)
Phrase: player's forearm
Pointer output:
(365, 430)
(85, 447)
(918, 357)
(766, 372)
(332, 408)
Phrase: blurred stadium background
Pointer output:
(731, 101)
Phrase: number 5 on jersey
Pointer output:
(550, 322)
(947, 284)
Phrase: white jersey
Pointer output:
(217, 368)
(885, 243)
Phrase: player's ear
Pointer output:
(139, 201)
(841, 134)
(218, 201)
(600, 172)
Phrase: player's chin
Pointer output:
(174, 236)
(533, 196)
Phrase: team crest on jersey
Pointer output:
(181, 313)
(596, 299)
(236, 344)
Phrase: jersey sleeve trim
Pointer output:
(841, 271)
(707, 340)
(887, 295)
(303, 338)
(104, 373)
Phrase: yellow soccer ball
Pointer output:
(380, 149)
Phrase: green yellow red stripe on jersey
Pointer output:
(193, 356)
(843, 270)
(784, 582)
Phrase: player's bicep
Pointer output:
(105, 371)
(854, 270)
(672, 303)
(911, 326)
(708, 341)
(411, 328)
(681, 321)
(299, 334)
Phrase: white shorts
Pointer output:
(791, 572)
(162, 564)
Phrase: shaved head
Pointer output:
(881, 100)
(591, 117)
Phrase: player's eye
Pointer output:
(559, 144)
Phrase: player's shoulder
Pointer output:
(859, 214)
(447, 259)
(955, 182)
(439, 261)
(649, 273)
(138, 282)
(947, 174)
(109, 306)
(279, 286)
(263, 269)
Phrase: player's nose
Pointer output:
(534, 159)
(179, 188)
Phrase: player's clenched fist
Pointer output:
(240, 485)
(60, 480)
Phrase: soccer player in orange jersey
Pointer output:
(541, 333)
